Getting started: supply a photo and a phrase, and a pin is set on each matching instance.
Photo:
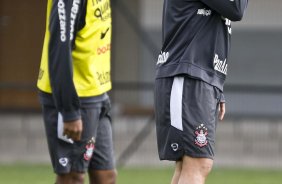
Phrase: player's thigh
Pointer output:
(50, 117)
(199, 118)
(162, 93)
(102, 167)
(169, 138)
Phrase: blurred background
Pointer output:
(249, 137)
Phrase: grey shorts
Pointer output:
(186, 116)
(79, 156)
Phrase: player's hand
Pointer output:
(221, 111)
(73, 129)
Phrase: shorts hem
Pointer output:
(199, 155)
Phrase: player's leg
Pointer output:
(200, 102)
(177, 172)
(102, 176)
(186, 119)
(102, 169)
(70, 178)
(195, 170)
(191, 170)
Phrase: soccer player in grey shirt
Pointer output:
(190, 74)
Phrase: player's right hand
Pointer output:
(221, 110)
(73, 129)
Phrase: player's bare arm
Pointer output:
(73, 129)
(221, 111)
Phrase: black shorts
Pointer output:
(186, 117)
(94, 151)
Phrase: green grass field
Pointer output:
(42, 174)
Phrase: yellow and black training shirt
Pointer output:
(76, 54)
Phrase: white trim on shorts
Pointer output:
(176, 103)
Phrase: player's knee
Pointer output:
(70, 178)
(77, 178)
(205, 167)
(112, 176)
(103, 177)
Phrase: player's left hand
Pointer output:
(221, 111)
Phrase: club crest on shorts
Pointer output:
(201, 136)
(89, 149)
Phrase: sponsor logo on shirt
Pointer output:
(102, 9)
(103, 49)
(41, 73)
(220, 65)
(62, 19)
(228, 24)
(204, 12)
(163, 56)
(104, 77)
(74, 11)
(104, 33)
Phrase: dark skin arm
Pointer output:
(73, 129)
